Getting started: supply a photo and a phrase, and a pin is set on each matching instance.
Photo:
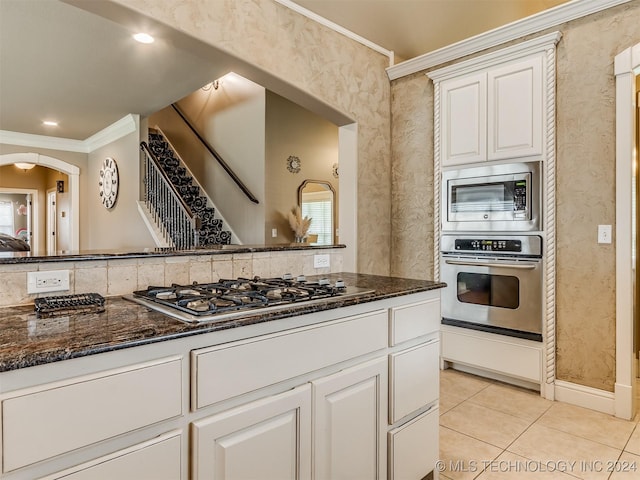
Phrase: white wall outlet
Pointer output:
(274, 232)
(321, 261)
(604, 233)
(49, 281)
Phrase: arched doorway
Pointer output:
(74, 186)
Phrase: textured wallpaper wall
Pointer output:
(586, 188)
(335, 70)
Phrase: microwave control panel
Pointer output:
(520, 196)
(489, 245)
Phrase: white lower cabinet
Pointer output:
(414, 380)
(157, 459)
(300, 403)
(62, 417)
(414, 389)
(413, 447)
(350, 423)
(267, 439)
(271, 438)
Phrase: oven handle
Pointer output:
(520, 266)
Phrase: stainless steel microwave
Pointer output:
(503, 197)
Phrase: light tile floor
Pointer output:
(489, 430)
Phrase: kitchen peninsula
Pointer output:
(339, 385)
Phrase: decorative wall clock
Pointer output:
(108, 183)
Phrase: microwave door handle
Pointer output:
(519, 266)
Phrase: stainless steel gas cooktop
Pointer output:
(227, 299)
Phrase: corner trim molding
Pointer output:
(626, 66)
(336, 28)
(124, 126)
(512, 31)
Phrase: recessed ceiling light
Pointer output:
(50, 123)
(143, 38)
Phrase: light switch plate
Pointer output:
(604, 233)
(48, 281)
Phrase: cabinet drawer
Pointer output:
(414, 320)
(61, 417)
(157, 459)
(414, 379)
(414, 448)
(274, 358)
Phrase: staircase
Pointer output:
(211, 230)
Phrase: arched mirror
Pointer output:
(317, 200)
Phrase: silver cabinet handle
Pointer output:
(520, 266)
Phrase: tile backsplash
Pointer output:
(122, 276)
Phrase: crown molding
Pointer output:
(535, 45)
(42, 141)
(113, 132)
(512, 31)
(337, 28)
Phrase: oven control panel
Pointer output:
(494, 245)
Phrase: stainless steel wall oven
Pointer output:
(503, 197)
(494, 283)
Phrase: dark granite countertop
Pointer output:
(27, 341)
(89, 255)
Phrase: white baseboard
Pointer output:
(587, 397)
(624, 401)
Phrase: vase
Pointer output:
(299, 239)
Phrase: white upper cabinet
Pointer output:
(514, 113)
(463, 120)
(495, 107)
(494, 114)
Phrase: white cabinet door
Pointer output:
(350, 423)
(463, 122)
(515, 110)
(60, 417)
(157, 459)
(415, 376)
(269, 439)
(414, 447)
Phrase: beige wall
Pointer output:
(586, 188)
(121, 227)
(286, 52)
(294, 131)
(232, 120)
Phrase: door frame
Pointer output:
(626, 67)
(51, 221)
(74, 186)
(35, 231)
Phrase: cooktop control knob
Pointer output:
(340, 284)
(323, 281)
(301, 278)
(287, 276)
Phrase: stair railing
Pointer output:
(181, 225)
(216, 155)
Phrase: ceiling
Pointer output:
(411, 28)
(63, 63)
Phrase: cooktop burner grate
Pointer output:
(207, 301)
